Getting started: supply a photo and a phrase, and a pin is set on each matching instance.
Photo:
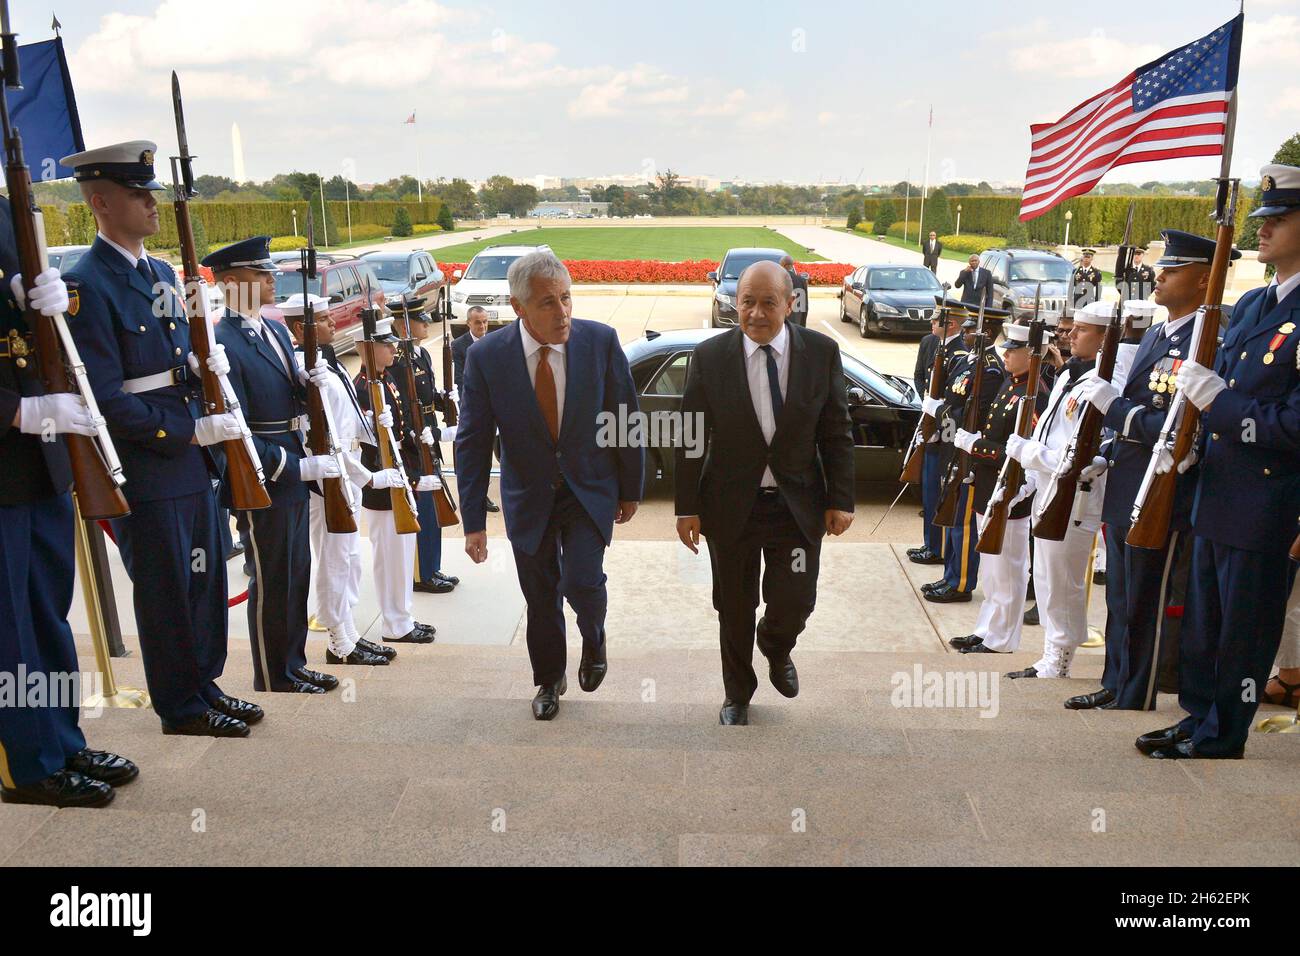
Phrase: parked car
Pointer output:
(64, 258)
(889, 298)
(727, 276)
(344, 283)
(1017, 273)
(483, 282)
(884, 408)
(412, 273)
(322, 258)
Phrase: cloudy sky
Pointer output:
(830, 91)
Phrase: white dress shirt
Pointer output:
(129, 256)
(1284, 289)
(760, 389)
(532, 355)
(256, 326)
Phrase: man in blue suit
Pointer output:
(543, 382)
(272, 392)
(1247, 499)
(128, 320)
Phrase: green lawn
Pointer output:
(654, 243)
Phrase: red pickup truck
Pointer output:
(344, 283)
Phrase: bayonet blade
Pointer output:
(311, 243)
(1128, 223)
(182, 141)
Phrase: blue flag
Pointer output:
(45, 110)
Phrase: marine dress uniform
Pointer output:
(937, 451)
(1087, 281)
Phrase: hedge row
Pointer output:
(971, 243)
(898, 229)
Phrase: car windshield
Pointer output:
(735, 265)
(390, 270)
(290, 283)
(489, 267)
(903, 280)
(1040, 270)
(886, 387)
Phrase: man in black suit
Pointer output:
(931, 249)
(976, 284)
(477, 321)
(771, 402)
(800, 282)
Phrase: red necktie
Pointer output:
(544, 385)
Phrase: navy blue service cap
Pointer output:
(252, 253)
(1185, 248)
(991, 316)
(130, 164)
(1281, 188)
(412, 307)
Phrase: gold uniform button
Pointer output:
(1215, 436)
(178, 351)
(160, 433)
(1232, 383)
(143, 329)
(172, 326)
(1268, 471)
(1244, 354)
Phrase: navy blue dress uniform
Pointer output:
(266, 381)
(1244, 513)
(127, 318)
(1087, 277)
(931, 551)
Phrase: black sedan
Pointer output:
(889, 298)
(884, 408)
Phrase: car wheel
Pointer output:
(715, 320)
(864, 325)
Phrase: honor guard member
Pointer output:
(1138, 280)
(961, 560)
(947, 322)
(337, 556)
(1059, 566)
(127, 317)
(1005, 576)
(271, 390)
(393, 553)
(1247, 498)
(1087, 276)
(43, 754)
(410, 321)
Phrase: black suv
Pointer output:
(1017, 273)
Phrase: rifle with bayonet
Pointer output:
(96, 471)
(1012, 476)
(429, 464)
(1124, 257)
(448, 363)
(914, 461)
(1056, 509)
(340, 504)
(1153, 508)
(405, 511)
(960, 471)
(244, 468)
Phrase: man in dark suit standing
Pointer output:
(548, 383)
(477, 321)
(976, 284)
(931, 249)
(771, 400)
(799, 316)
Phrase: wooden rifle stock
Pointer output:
(449, 414)
(404, 518)
(339, 518)
(445, 507)
(959, 470)
(926, 427)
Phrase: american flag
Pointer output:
(1174, 106)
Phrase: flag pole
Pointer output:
(907, 202)
(925, 183)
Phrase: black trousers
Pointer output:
(789, 589)
(280, 543)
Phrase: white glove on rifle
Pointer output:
(214, 429)
(1094, 470)
(1015, 446)
(1027, 489)
(1099, 392)
(428, 483)
(49, 294)
(1166, 461)
(426, 436)
(385, 417)
(65, 412)
(218, 364)
(314, 467)
(1199, 385)
(359, 474)
(387, 478)
(320, 374)
(966, 440)
(447, 433)
(1034, 455)
(930, 406)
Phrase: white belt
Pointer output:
(151, 383)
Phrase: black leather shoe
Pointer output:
(1150, 742)
(305, 687)
(547, 702)
(981, 648)
(248, 570)
(924, 556)
(934, 585)
(104, 767)
(377, 649)
(1027, 672)
(433, 587)
(947, 595)
(1185, 750)
(211, 723)
(238, 709)
(63, 788)
(1031, 616)
(592, 669)
(426, 628)
(358, 655)
(784, 677)
(1098, 698)
(327, 681)
(449, 578)
(490, 505)
(733, 714)
(965, 641)
(416, 636)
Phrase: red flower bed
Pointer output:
(631, 271)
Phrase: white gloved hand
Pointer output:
(1165, 461)
(1015, 445)
(214, 429)
(426, 436)
(387, 478)
(930, 406)
(428, 483)
(65, 412)
(1094, 470)
(218, 363)
(1036, 456)
(447, 433)
(1099, 392)
(966, 440)
(1027, 488)
(314, 467)
(320, 374)
(386, 417)
(1200, 385)
(49, 294)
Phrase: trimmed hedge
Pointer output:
(912, 228)
(865, 227)
(286, 243)
(971, 243)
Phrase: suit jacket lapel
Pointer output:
(258, 343)
(1276, 316)
(576, 361)
(517, 369)
(737, 360)
(117, 262)
(795, 372)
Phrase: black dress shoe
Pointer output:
(449, 578)
(592, 669)
(378, 649)
(239, 709)
(547, 702)
(358, 655)
(733, 714)
(948, 595)
(416, 636)
(1156, 739)
(490, 505)
(965, 641)
(981, 648)
(433, 587)
(426, 628)
(1027, 672)
(1098, 698)
(784, 677)
(1185, 750)
(248, 570)
(104, 767)
(934, 585)
(924, 556)
(1031, 616)
(305, 687)
(63, 788)
(327, 681)
(913, 552)
(210, 723)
